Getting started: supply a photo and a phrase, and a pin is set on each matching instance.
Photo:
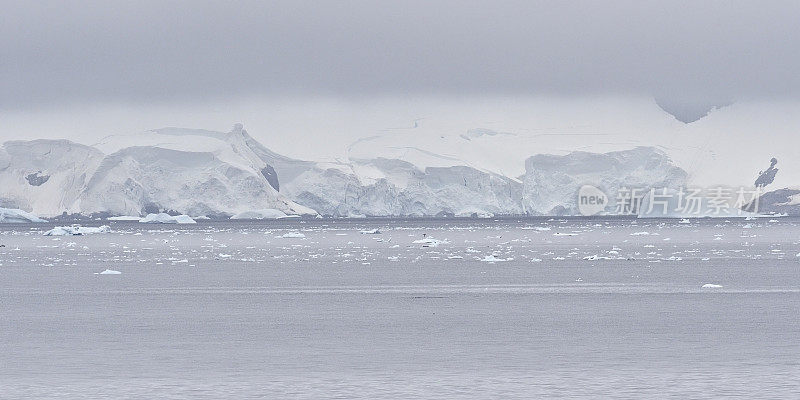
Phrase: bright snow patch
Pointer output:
(15, 216)
(76, 230)
(163, 218)
(371, 232)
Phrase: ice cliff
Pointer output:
(199, 172)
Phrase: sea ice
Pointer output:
(164, 218)
(293, 235)
(76, 230)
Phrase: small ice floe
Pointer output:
(76, 230)
(371, 232)
(108, 272)
(164, 218)
(223, 255)
(565, 234)
(710, 286)
(595, 257)
(684, 221)
(429, 242)
(536, 228)
(640, 234)
(296, 235)
(124, 218)
(491, 258)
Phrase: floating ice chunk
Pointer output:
(536, 228)
(108, 272)
(640, 234)
(164, 218)
(491, 258)
(371, 232)
(565, 234)
(16, 216)
(430, 242)
(76, 230)
(223, 255)
(687, 221)
(711, 286)
(293, 235)
(124, 218)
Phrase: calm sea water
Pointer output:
(499, 309)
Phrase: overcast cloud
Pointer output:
(61, 52)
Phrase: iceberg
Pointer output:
(108, 272)
(163, 218)
(76, 230)
(124, 218)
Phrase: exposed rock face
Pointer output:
(35, 179)
(781, 201)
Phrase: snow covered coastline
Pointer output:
(231, 175)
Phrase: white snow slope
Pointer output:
(199, 172)
(186, 171)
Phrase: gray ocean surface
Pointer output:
(490, 309)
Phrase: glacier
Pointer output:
(176, 171)
(551, 182)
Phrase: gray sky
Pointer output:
(56, 53)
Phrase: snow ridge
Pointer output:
(222, 174)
